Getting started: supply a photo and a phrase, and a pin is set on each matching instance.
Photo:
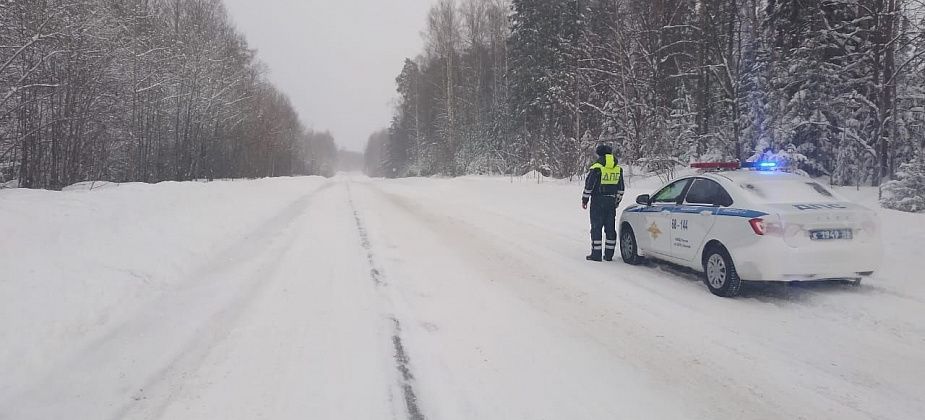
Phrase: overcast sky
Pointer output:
(336, 59)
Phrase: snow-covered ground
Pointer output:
(354, 298)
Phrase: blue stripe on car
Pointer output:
(751, 214)
(644, 209)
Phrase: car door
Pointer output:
(694, 219)
(658, 218)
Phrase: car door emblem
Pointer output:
(655, 231)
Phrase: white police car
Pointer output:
(736, 225)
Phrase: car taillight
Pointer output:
(758, 226)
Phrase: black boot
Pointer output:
(595, 256)
(610, 248)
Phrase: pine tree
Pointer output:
(544, 37)
(907, 193)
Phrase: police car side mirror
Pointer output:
(644, 200)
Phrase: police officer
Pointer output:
(604, 189)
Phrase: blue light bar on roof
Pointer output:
(764, 165)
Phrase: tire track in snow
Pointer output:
(374, 273)
(400, 357)
(402, 363)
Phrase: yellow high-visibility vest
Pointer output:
(610, 172)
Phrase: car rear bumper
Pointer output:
(770, 260)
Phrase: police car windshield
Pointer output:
(789, 191)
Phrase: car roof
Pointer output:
(743, 176)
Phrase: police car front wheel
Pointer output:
(628, 248)
(720, 273)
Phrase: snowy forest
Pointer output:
(835, 86)
(141, 90)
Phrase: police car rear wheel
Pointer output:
(628, 249)
(720, 274)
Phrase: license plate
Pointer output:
(831, 234)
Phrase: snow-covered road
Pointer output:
(354, 298)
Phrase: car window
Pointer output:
(671, 193)
(708, 192)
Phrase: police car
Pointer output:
(734, 224)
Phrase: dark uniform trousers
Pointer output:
(603, 218)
